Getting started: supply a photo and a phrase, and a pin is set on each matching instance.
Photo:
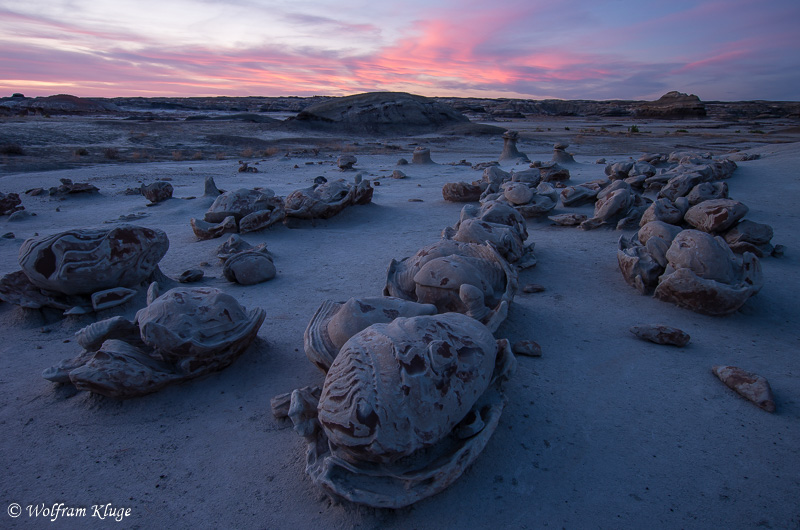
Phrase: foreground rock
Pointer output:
(703, 275)
(694, 270)
(183, 334)
(157, 191)
(661, 334)
(405, 408)
(64, 270)
(750, 386)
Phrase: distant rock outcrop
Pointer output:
(59, 104)
(672, 105)
(379, 112)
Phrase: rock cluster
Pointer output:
(413, 386)
(693, 248)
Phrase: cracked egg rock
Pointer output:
(398, 387)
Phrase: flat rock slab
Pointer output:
(661, 334)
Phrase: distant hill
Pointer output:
(387, 110)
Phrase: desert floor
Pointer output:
(602, 431)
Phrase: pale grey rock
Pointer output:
(111, 297)
(157, 191)
(405, 408)
(463, 191)
(183, 334)
(560, 155)
(706, 191)
(421, 155)
(715, 216)
(346, 162)
(239, 203)
(705, 276)
(250, 267)
(85, 261)
(204, 230)
(191, 276)
(662, 210)
(437, 273)
(327, 199)
(510, 152)
(574, 196)
(334, 323)
(748, 236)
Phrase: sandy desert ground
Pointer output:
(602, 431)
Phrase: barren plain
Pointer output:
(602, 431)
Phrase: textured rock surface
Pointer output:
(157, 191)
(185, 333)
(510, 151)
(334, 323)
(715, 215)
(405, 407)
(85, 261)
(250, 267)
(661, 334)
(705, 276)
(381, 112)
(750, 386)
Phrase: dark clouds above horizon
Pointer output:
(574, 49)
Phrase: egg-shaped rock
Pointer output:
(399, 387)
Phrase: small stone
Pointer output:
(533, 288)
(402, 162)
(157, 191)
(421, 155)
(346, 162)
(397, 174)
(376, 183)
(191, 275)
(748, 385)
(249, 267)
(20, 215)
(9, 235)
(210, 188)
(778, 251)
(660, 334)
(415, 200)
(528, 348)
(568, 219)
(111, 297)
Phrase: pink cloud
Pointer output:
(478, 51)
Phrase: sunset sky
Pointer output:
(571, 49)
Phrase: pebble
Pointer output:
(528, 348)
(533, 288)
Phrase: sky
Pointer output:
(726, 50)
